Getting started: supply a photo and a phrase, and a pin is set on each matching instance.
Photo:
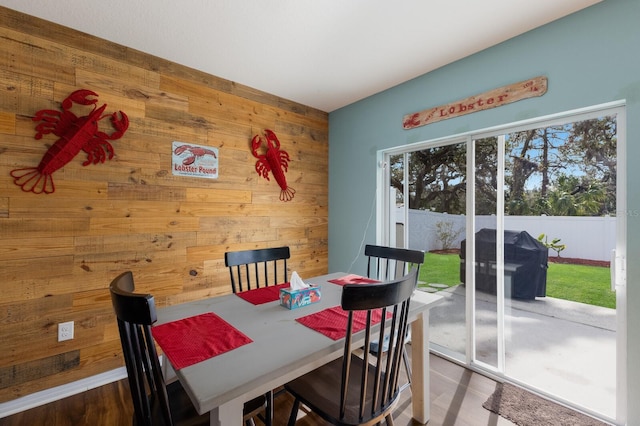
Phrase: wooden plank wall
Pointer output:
(58, 252)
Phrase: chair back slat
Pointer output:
(390, 263)
(378, 388)
(135, 314)
(250, 269)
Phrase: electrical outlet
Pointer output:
(65, 331)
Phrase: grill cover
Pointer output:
(525, 259)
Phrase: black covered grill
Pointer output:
(525, 261)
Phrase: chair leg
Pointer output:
(250, 422)
(294, 413)
(407, 364)
(269, 410)
(389, 420)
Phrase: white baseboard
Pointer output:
(59, 392)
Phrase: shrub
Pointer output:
(553, 245)
(446, 235)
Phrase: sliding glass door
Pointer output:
(524, 232)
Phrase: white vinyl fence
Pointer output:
(590, 238)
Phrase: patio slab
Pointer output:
(559, 347)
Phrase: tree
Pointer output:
(592, 148)
(570, 198)
(543, 163)
(531, 155)
(437, 178)
(566, 169)
(486, 175)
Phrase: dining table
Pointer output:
(272, 345)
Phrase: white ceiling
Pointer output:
(321, 53)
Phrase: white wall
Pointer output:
(585, 237)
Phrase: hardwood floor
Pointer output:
(457, 395)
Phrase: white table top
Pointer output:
(282, 349)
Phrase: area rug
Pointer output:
(527, 409)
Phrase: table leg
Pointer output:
(228, 414)
(420, 368)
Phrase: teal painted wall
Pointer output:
(590, 58)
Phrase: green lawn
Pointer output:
(585, 284)
(441, 269)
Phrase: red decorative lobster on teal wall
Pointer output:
(274, 160)
(74, 134)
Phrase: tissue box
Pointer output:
(293, 299)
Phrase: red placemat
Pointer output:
(191, 340)
(353, 279)
(332, 322)
(261, 295)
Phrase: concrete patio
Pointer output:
(561, 348)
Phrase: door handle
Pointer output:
(612, 270)
(617, 270)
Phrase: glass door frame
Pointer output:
(618, 266)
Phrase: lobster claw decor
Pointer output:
(74, 134)
(274, 160)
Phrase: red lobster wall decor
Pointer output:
(74, 134)
(274, 160)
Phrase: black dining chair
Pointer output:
(361, 388)
(154, 401)
(251, 269)
(388, 263)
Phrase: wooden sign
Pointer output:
(494, 98)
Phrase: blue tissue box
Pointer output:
(292, 299)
